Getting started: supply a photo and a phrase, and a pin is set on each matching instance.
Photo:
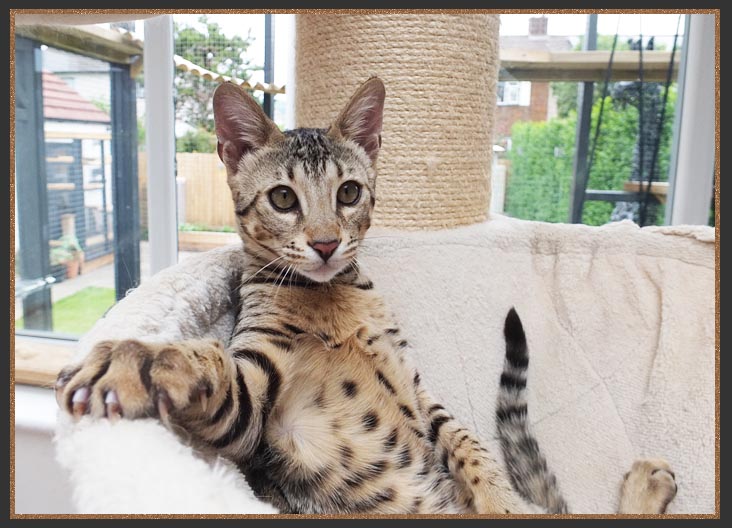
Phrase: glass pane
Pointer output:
(230, 46)
(67, 203)
(536, 120)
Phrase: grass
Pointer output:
(77, 313)
(204, 227)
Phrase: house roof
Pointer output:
(63, 103)
(539, 42)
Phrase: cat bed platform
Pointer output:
(620, 323)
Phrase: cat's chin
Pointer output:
(324, 273)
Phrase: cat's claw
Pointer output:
(128, 380)
(59, 392)
(204, 399)
(80, 402)
(61, 382)
(113, 408)
(164, 406)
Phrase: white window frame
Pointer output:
(692, 171)
(515, 93)
(160, 141)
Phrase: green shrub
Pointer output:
(542, 154)
(199, 140)
(541, 170)
(204, 227)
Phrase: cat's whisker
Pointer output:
(356, 265)
(279, 285)
(292, 274)
(280, 275)
(379, 236)
(262, 268)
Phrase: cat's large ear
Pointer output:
(241, 124)
(362, 118)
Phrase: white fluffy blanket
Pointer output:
(620, 325)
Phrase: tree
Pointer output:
(199, 140)
(566, 92)
(541, 162)
(213, 50)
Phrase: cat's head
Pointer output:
(304, 196)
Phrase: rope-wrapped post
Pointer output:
(440, 73)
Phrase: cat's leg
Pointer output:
(191, 385)
(648, 487)
(483, 484)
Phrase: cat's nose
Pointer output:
(325, 248)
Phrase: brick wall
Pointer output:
(507, 115)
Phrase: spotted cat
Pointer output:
(314, 396)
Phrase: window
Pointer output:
(514, 93)
(82, 183)
(537, 115)
(76, 199)
(81, 231)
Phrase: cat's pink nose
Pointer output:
(325, 249)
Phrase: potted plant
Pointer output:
(67, 251)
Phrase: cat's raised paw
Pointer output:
(132, 379)
(648, 487)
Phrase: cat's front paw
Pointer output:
(132, 379)
(648, 487)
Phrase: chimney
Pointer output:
(538, 26)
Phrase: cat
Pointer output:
(315, 398)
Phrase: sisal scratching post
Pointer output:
(440, 73)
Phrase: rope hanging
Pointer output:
(605, 88)
(641, 121)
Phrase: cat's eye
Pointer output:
(349, 193)
(283, 198)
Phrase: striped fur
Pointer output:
(526, 464)
(314, 397)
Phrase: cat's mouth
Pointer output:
(324, 271)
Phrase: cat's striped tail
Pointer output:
(525, 463)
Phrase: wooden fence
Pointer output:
(207, 195)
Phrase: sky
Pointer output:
(662, 26)
(241, 24)
(573, 25)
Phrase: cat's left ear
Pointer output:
(242, 126)
(362, 118)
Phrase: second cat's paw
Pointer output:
(648, 487)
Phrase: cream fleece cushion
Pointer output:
(620, 326)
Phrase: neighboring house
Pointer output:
(526, 101)
(78, 170)
(87, 76)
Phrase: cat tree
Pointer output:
(605, 386)
(441, 74)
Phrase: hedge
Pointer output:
(542, 154)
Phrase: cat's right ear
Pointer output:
(241, 124)
(362, 119)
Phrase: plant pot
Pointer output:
(73, 268)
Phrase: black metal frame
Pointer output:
(582, 141)
(582, 165)
(125, 181)
(268, 100)
(30, 181)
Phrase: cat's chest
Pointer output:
(347, 419)
(334, 313)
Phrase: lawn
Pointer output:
(77, 313)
